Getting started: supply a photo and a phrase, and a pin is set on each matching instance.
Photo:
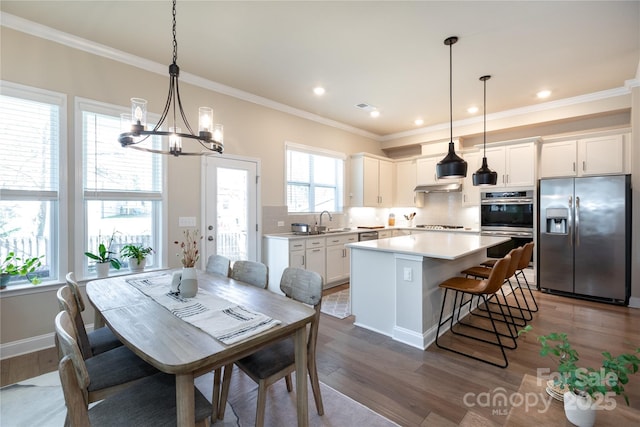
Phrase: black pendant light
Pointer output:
(452, 166)
(484, 176)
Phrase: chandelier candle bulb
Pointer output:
(218, 133)
(175, 142)
(205, 115)
(139, 111)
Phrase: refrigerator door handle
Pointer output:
(570, 225)
(577, 220)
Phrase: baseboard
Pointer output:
(30, 345)
(634, 302)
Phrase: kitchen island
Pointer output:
(394, 282)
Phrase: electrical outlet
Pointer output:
(408, 274)
(280, 223)
(187, 221)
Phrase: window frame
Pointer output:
(159, 229)
(59, 243)
(315, 151)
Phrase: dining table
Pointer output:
(175, 346)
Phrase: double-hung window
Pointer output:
(32, 138)
(122, 188)
(315, 179)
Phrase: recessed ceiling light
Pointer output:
(544, 94)
(472, 110)
(318, 90)
(374, 113)
(418, 122)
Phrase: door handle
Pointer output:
(577, 220)
(210, 238)
(571, 215)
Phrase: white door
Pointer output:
(230, 201)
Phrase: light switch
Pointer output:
(408, 274)
(187, 221)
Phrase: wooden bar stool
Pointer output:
(481, 272)
(483, 289)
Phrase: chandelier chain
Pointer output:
(175, 40)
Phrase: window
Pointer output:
(314, 179)
(32, 123)
(122, 188)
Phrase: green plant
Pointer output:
(138, 252)
(16, 266)
(105, 254)
(610, 377)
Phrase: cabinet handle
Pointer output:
(315, 250)
(303, 261)
(584, 166)
(574, 166)
(507, 175)
(344, 253)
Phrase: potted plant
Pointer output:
(105, 258)
(587, 387)
(13, 265)
(137, 255)
(190, 255)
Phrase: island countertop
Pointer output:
(432, 244)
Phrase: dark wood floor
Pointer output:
(415, 388)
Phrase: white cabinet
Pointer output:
(471, 194)
(406, 181)
(582, 157)
(514, 164)
(383, 234)
(315, 256)
(372, 181)
(296, 253)
(338, 258)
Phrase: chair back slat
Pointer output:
(65, 332)
(218, 264)
(77, 411)
(67, 302)
(302, 285)
(252, 272)
(73, 284)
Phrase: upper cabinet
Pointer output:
(582, 157)
(426, 171)
(406, 180)
(471, 194)
(372, 181)
(514, 163)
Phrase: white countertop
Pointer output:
(291, 235)
(432, 244)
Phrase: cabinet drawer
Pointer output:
(342, 240)
(316, 242)
(296, 245)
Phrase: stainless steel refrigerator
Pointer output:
(584, 237)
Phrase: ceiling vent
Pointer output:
(366, 107)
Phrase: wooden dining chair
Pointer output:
(252, 272)
(277, 361)
(95, 342)
(218, 264)
(109, 372)
(462, 287)
(149, 402)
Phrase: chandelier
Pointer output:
(209, 136)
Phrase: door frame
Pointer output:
(203, 200)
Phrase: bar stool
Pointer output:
(481, 272)
(524, 263)
(483, 289)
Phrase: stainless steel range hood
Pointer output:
(439, 188)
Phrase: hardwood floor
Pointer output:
(416, 388)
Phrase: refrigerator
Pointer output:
(584, 237)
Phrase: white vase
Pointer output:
(136, 266)
(189, 282)
(579, 410)
(102, 269)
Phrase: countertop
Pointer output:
(432, 244)
(291, 235)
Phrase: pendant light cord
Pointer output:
(484, 112)
(451, 91)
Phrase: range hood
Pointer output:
(439, 188)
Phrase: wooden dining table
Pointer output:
(174, 346)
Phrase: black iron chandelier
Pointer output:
(209, 136)
(484, 176)
(452, 166)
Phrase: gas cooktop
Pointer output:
(439, 227)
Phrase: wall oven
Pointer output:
(507, 213)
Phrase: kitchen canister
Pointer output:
(392, 220)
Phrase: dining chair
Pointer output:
(252, 272)
(109, 372)
(218, 264)
(95, 342)
(149, 402)
(256, 274)
(277, 361)
(464, 286)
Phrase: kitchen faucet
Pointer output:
(323, 212)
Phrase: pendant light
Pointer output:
(484, 176)
(452, 166)
(134, 132)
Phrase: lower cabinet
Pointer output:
(338, 259)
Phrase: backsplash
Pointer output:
(439, 208)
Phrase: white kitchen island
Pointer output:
(394, 282)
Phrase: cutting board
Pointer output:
(373, 227)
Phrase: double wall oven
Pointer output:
(507, 213)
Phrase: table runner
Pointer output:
(222, 319)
